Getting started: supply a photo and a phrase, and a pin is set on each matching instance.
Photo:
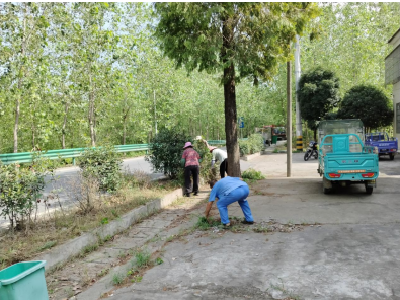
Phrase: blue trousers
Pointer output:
(239, 195)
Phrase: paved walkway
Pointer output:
(304, 245)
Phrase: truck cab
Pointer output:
(381, 140)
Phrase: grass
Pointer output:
(118, 278)
(203, 223)
(59, 226)
(142, 259)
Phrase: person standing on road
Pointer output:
(229, 190)
(190, 160)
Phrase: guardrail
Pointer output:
(23, 157)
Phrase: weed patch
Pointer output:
(203, 223)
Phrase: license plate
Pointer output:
(351, 171)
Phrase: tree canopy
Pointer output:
(368, 103)
(119, 74)
(318, 94)
(239, 39)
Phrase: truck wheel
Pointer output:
(369, 190)
(391, 156)
(326, 186)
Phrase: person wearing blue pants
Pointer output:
(229, 190)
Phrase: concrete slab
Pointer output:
(328, 262)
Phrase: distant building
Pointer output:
(392, 76)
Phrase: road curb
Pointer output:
(61, 254)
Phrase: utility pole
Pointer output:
(155, 116)
(289, 119)
(297, 74)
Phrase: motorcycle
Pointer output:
(312, 151)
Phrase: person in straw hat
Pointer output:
(190, 160)
(221, 156)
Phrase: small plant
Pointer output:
(252, 174)
(84, 192)
(159, 261)
(118, 279)
(137, 279)
(104, 221)
(21, 189)
(142, 259)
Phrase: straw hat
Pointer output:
(211, 148)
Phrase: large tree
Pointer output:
(238, 39)
(318, 94)
(368, 103)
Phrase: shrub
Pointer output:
(104, 165)
(256, 143)
(21, 188)
(253, 144)
(166, 151)
(252, 174)
(244, 148)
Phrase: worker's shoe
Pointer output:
(186, 195)
(195, 193)
(247, 222)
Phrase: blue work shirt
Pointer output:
(225, 186)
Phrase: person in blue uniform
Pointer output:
(229, 190)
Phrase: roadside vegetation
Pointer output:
(97, 202)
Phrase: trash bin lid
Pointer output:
(19, 271)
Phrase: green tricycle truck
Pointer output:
(343, 157)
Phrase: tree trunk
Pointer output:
(315, 134)
(64, 124)
(232, 144)
(91, 114)
(17, 102)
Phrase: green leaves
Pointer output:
(368, 103)
(318, 94)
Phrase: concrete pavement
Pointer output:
(345, 245)
(348, 248)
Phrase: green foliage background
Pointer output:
(75, 60)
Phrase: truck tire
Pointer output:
(326, 186)
(391, 156)
(369, 189)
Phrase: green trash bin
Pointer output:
(24, 281)
(274, 139)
